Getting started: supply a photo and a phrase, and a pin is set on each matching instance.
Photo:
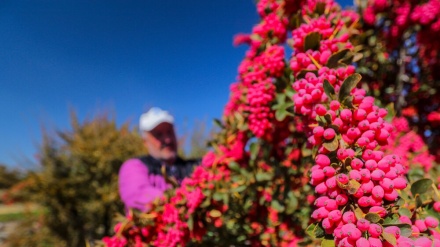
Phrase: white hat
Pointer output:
(153, 118)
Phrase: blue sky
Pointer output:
(125, 55)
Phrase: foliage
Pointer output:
(77, 182)
(304, 155)
(8, 177)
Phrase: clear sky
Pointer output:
(125, 55)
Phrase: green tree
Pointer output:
(77, 184)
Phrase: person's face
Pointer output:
(161, 142)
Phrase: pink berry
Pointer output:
(421, 225)
(354, 234)
(360, 114)
(431, 222)
(334, 105)
(335, 215)
(346, 115)
(365, 175)
(317, 174)
(423, 242)
(362, 242)
(320, 201)
(377, 192)
(341, 199)
(377, 175)
(375, 242)
(393, 230)
(367, 187)
(371, 165)
(327, 224)
(321, 188)
(405, 219)
(329, 171)
(387, 184)
(331, 205)
(329, 134)
(349, 217)
(436, 206)
(322, 160)
(375, 230)
(331, 182)
(342, 178)
(364, 201)
(363, 224)
(378, 210)
(355, 175)
(356, 164)
(318, 131)
(391, 196)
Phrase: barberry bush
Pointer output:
(311, 151)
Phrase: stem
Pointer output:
(399, 81)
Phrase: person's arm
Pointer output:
(135, 187)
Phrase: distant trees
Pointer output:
(76, 184)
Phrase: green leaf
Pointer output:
(353, 186)
(254, 148)
(312, 41)
(332, 145)
(329, 89)
(218, 123)
(215, 213)
(280, 114)
(391, 220)
(405, 230)
(240, 188)
(348, 85)
(359, 214)
(336, 57)
(315, 231)
(291, 203)
(234, 166)
(206, 203)
(320, 8)
(389, 238)
(405, 211)
(263, 176)
(372, 217)
(421, 186)
(190, 223)
(303, 73)
(277, 206)
(218, 196)
(328, 243)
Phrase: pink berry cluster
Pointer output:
(401, 16)
(408, 145)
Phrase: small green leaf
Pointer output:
(234, 166)
(277, 206)
(218, 123)
(218, 196)
(264, 176)
(421, 186)
(391, 220)
(315, 231)
(291, 203)
(389, 238)
(254, 148)
(320, 8)
(312, 41)
(280, 114)
(303, 73)
(405, 211)
(348, 85)
(190, 223)
(205, 203)
(328, 118)
(336, 57)
(329, 89)
(353, 186)
(215, 213)
(328, 243)
(359, 214)
(405, 230)
(240, 188)
(372, 217)
(332, 145)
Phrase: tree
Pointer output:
(304, 155)
(77, 182)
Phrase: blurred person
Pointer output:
(145, 178)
